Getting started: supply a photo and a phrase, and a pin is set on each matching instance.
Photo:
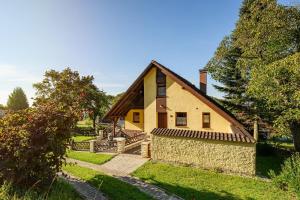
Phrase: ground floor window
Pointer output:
(206, 120)
(136, 117)
(181, 119)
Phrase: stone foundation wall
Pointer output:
(208, 154)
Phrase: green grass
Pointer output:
(95, 158)
(81, 138)
(112, 187)
(85, 123)
(59, 190)
(193, 183)
(264, 164)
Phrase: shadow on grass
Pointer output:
(264, 164)
(192, 194)
(116, 189)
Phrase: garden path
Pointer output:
(85, 190)
(121, 166)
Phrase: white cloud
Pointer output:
(17, 76)
(12, 73)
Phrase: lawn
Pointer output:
(95, 158)
(264, 164)
(193, 183)
(59, 190)
(112, 187)
(81, 138)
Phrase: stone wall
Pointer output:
(208, 154)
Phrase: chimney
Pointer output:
(203, 80)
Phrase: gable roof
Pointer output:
(123, 105)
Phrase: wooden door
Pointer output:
(162, 120)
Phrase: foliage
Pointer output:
(96, 103)
(33, 144)
(17, 100)
(274, 33)
(266, 32)
(116, 98)
(72, 91)
(223, 68)
(278, 84)
(2, 107)
(58, 190)
(289, 178)
(112, 187)
(193, 183)
(94, 158)
(67, 89)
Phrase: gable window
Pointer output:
(181, 119)
(136, 117)
(161, 84)
(206, 120)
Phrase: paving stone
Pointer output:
(84, 189)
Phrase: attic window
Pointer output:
(206, 120)
(160, 83)
(136, 117)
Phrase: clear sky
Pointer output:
(114, 40)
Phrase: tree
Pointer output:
(96, 103)
(116, 98)
(71, 91)
(67, 88)
(266, 32)
(17, 100)
(223, 68)
(278, 84)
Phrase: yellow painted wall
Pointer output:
(150, 101)
(180, 100)
(129, 124)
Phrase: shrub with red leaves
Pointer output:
(33, 143)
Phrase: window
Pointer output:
(161, 91)
(181, 119)
(206, 120)
(136, 117)
(161, 84)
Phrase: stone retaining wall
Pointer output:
(209, 154)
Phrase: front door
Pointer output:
(162, 120)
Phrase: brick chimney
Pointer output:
(203, 80)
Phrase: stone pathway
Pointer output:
(84, 189)
(121, 167)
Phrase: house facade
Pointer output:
(186, 125)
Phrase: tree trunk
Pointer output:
(94, 122)
(295, 129)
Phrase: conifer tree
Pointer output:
(17, 100)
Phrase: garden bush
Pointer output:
(33, 143)
(289, 178)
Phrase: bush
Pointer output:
(289, 178)
(58, 190)
(33, 143)
(265, 149)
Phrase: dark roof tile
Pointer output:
(202, 135)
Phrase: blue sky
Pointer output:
(114, 40)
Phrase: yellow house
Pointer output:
(171, 109)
